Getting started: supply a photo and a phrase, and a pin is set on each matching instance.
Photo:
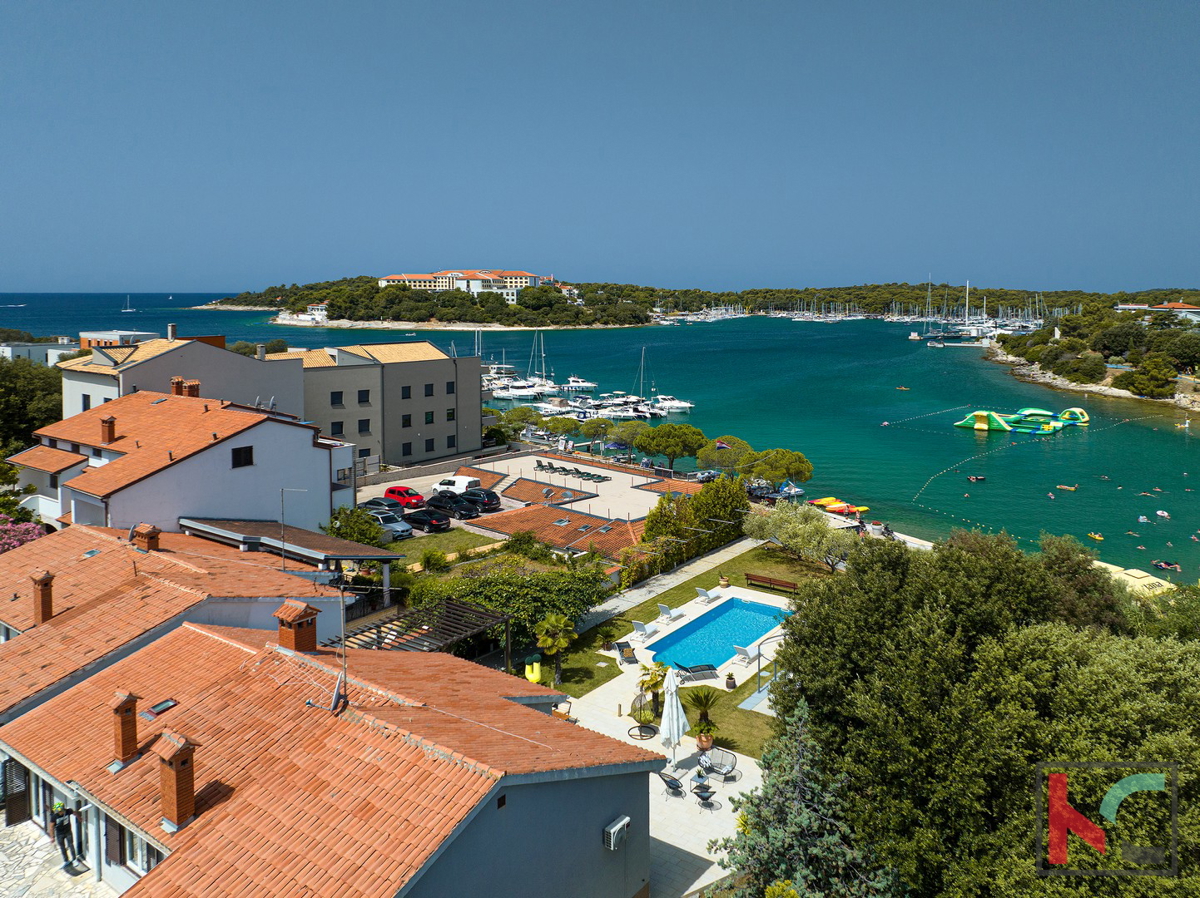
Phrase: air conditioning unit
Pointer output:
(615, 833)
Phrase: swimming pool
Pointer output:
(710, 638)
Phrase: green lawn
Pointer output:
(456, 539)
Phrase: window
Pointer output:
(53, 444)
(429, 445)
(364, 425)
(335, 399)
(428, 389)
(406, 420)
(154, 710)
(561, 522)
(451, 442)
(87, 401)
(364, 453)
(406, 392)
(53, 481)
(364, 397)
(406, 449)
(429, 417)
(75, 448)
(243, 456)
(337, 428)
(96, 453)
(449, 388)
(140, 856)
(449, 414)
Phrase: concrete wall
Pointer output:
(206, 485)
(464, 373)
(353, 375)
(548, 838)
(77, 384)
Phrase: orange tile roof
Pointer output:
(1183, 306)
(311, 358)
(417, 351)
(107, 594)
(43, 458)
(123, 356)
(487, 479)
(524, 489)
(378, 786)
(540, 519)
(153, 432)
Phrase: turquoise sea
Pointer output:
(826, 390)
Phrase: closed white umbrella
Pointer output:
(674, 718)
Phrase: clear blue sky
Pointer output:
(235, 145)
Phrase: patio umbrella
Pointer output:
(674, 718)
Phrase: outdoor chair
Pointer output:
(642, 632)
(707, 596)
(539, 465)
(674, 786)
(562, 711)
(669, 615)
(697, 672)
(747, 656)
(602, 478)
(718, 762)
(625, 653)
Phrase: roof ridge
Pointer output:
(206, 631)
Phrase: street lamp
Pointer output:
(282, 536)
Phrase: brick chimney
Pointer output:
(108, 429)
(43, 596)
(177, 779)
(191, 388)
(125, 741)
(297, 625)
(176, 386)
(145, 537)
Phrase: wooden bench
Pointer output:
(771, 583)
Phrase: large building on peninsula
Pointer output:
(470, 280)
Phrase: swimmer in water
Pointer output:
(1051, 495)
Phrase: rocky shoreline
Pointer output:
(1031, 372)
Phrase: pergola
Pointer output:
(432, 628)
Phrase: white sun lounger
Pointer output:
(747, 656)
(642, 632)
(669, 615)
(707, 596)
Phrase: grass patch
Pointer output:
(456, 539)
(581, 671)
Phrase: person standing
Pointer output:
(61, 818)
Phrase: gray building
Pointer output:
(399, 403)
(39, 353)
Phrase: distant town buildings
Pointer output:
(471, 280)
(1185, 311)
(40, 353)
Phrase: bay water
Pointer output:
(825, 390)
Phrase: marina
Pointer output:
(827, 391)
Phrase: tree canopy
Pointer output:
(30, 398)
(674, 441)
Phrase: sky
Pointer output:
(227, 146)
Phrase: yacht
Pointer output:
(577, 384)
(671, 404)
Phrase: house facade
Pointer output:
(113, 371)
(153, 458)
(400, 403)
(471, 280)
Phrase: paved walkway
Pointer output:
(31, 867)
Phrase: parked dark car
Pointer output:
(453, 505)
(485, 500)
(428, 519)
(382, 503)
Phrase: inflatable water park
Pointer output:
(1027, 420)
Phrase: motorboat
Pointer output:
(577, 385)
(671, 404)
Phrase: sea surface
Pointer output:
(825, 390)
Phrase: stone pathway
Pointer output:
(31, 867)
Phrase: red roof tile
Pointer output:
(541, 520)
(43, 458)
(525, 489)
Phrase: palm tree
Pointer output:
(555, 633)
(651, 681)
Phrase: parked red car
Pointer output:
(406, 496)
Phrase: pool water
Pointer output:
(710, 638)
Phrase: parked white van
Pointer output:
(456, 484)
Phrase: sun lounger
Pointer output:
(697, 672)
(563, 712)
(747, 656)
(642, 632)
(625, 653)
(707, 596)
(670, 615)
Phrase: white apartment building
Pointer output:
(472, 280)
(152, 458)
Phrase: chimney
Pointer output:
(177, 779)
(125, 741)
(297, 625)
(176, 386)
(145, 537)
(171, 330)
(108, 429)
(260, 351)
(191, 388)
(43, 596)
